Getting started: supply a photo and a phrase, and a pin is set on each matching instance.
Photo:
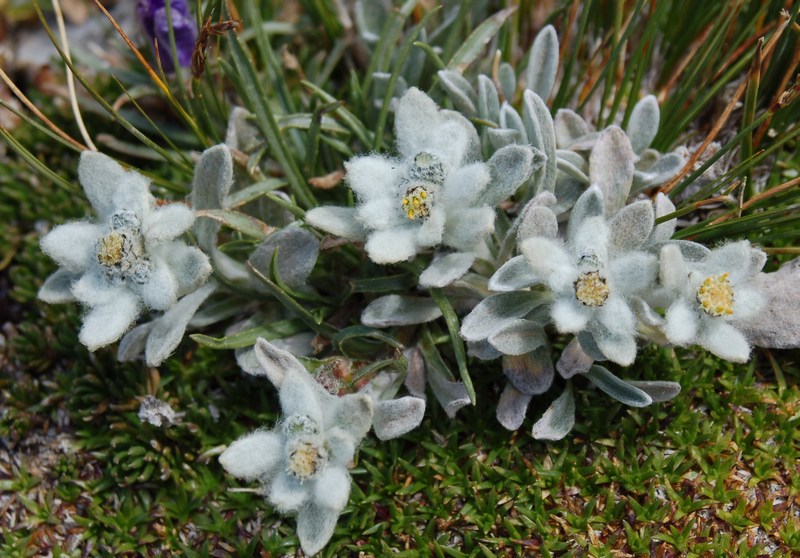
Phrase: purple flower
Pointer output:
(153, 17)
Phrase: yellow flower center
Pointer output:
(416, 204)
(305, 459)
(111, 249)
(591, 289)
(715, 295)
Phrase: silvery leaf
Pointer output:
(559, 418)
(395, 417)
(631, 227)
(451, 395)
(510, 167)
(691, 251)
(664, 169)
(571, 164)
(569, 127)
(496, 311)
(659, 391)
(643, 124)
(242, 133)
(488, 100)
(297, 253)
(536, 220)
(541, 134)
(459, 91)
(213, 176)
(567, 192)
(531, 373)
(619, 389)
(501, 137)
(543, 63)
(397, 310)
(508, 80)
(511, 120)
(247, 361)
(611, 168)
(512, 407)
(776, 326)
(415, 372)
(446, 269)
(518, 337)
(573, 360)
(663, 231)
(132, 344)
(168, 330)
(513, 275)
(482, 350)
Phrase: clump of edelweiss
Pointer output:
(709, 297)
(596, 273)
(436, 192)
(125, 261)
(303, 461)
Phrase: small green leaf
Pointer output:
(237, 221)
(478, 40)
(246, 338)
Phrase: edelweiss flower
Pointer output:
(303, 461)
(595, 273)
(431, 194)
(127, 260)
(710, 296)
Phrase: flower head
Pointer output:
(303, 461)
(709, 296)
(127, 259)
(153, 18)
(433, 193)
(596, 272)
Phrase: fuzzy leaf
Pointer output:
(542, 135)
(775, 326)
(531, 373)
(620, 390)
(513, 275)
(488, 100)
(643, 124)
(297, 253)
(395, 417)
(659, 391)
(512, 407)
(496, 311)
(459, 91)
(631, 227)
(537, 220)
(168, 330)
(611, 168)
(518, 337)
(396, 310)
(569, 128)
(446, 269)
(241, 222)
(340, 221)
(477, 41)
(275, 363)
(315, 527)
(133, 343)
(509, 167)
(543, 62)
(559, 418)
(508, 80)
(573, 360)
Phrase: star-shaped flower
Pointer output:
(303, 461)
(594, 273)
(710, 296)
(125, 261)
(436, 192)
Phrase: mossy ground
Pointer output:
(714, 472)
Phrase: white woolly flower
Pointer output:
(303, 461)
(433, 193)
(126, 260)
(595, 273)
(710, 296)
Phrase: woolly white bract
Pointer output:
(597, 270)
(436, 192)
(125, 261)
(303, 461)
(710, 296)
